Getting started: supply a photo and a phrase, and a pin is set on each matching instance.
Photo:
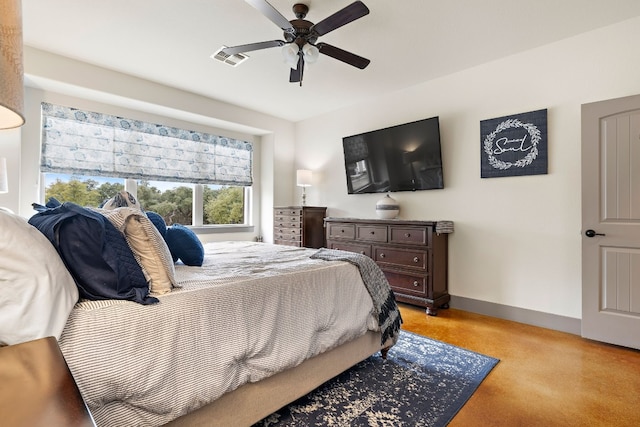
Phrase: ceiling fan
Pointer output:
(300, 36)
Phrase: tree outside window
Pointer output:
(220, 205)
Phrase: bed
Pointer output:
(253, 328)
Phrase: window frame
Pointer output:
(131, 185)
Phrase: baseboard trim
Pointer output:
(521, 315)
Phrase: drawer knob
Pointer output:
(415, 283)
(382, 255)
(416, 259)
(372, 232)
(342, 230)
(362, 253)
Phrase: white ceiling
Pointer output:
(407, 41)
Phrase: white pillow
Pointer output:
(37, 292)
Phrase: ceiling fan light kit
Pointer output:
(300, 36)
(290, 54)
(311, 53)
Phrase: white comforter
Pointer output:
(250, 311)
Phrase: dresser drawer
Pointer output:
(409, 258)
(288, 242)
(287, 233)
(286, 221)
(409, 235)
(285, 211)
(414, 284)
(341, 231)
(350, 247)
(372, 233)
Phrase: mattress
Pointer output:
(250, 311)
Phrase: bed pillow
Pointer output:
(121, 200)
(158, 221)
(184, 245)
(148, 246)
(37, 292)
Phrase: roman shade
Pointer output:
(95, 144)
(356, 151)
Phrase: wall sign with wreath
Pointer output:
(514, 145)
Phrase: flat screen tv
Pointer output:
(405, 157)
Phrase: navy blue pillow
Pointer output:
(184, 245)
(157, 220)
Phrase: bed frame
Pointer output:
(252, 402)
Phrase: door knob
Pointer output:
(592, 233)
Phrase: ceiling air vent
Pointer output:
(233, 60)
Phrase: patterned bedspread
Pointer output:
(250, 311)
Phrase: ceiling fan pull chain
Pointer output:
(301, 67)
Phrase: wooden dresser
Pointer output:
(299, 226)
(411, 254)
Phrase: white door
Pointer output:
(611, 221)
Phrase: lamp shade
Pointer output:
(290, 54)
(4, 181)
(303, 177)
(11, 67)
(311, 53)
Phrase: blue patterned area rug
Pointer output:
(422, 382)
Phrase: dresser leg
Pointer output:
(433, 311)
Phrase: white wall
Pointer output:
(10, 149)
(55, 79)
(517, 240)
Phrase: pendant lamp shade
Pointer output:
(11, 66)
(4, 180)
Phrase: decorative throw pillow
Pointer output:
(37, 292)
(148, 246)
(184, 245)
(122, 200)
(158, 221)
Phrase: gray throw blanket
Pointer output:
(384, 301)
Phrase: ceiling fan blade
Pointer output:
(252, 46)
(343, 55)
(342, 17)
(296, 75)
(272, 13)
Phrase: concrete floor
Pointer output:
(544, 378)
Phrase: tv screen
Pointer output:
(399, 158)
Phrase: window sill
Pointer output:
(229, 228)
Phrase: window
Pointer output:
(212, 204)
(188, 177)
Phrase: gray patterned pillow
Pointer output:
(123, 199)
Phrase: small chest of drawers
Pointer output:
(411, 254)
(301, 226)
